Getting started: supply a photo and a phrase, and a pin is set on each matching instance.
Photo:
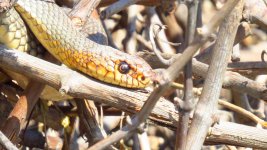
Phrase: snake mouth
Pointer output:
(150, 74)
(147, 77)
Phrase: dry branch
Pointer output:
(239, 134)
(255, 12)
(141, 2)
(232, 80)
(83, 9)
(22, 110)
(188, 104)
(242, 32)
(117, 7)
(88, 114)
(124, 99)
(249, 69)
(213, 82)
(242, 111)
(79, 86)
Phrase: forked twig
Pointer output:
(155, 49)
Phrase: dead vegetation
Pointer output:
(210, 91)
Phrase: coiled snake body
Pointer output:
(55, 31)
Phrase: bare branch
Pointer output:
(213, 83)
(155, 49)
(243, 112)
(218, 129)
(255, 12)
(228, 105)
(127, 100)
(117, 7)
(22, 110)
(83, 9)
(88, 115)
(141, 2)
(232, 80)
(188, 104)
(242, 32)
(4, 141)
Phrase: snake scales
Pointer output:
(55, 31)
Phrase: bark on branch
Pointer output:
(208, 101)
(80, 86)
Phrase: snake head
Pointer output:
(134, 72)
(119, 68)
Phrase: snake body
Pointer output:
(15, 35)
(55, 31)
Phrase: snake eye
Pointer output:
(124, 67)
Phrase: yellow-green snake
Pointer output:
(56, 32)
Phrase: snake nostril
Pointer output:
(143, 78)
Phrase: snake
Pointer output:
(55, 31)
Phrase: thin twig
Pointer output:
(142, 2)
(83, 9)
(116, 7)
(88, 115)
(154, 19)
(143, 41)
(188, 104)
(155, 49)
(228, 105)
(156, 34)
(243, 112)
(109, 36)
(174, 30)
(209, 98)
(140, 117)
(131, 42)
